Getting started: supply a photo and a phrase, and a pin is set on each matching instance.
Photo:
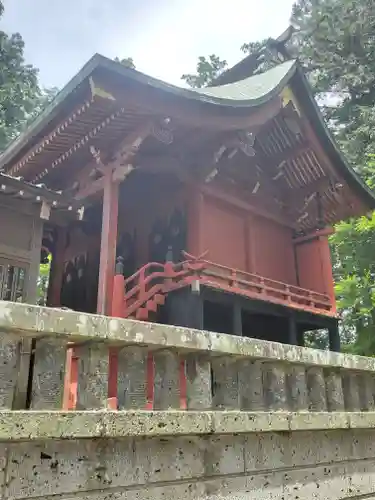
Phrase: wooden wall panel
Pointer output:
(310, 272)
(272, 247)
(223, 234)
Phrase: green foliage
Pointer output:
(43, 280)
(127, 61)
(267, 59)
(21, 98)
(335, 43)
(19, 89)
(207, 70)
(337, 47)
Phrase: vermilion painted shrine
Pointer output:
(209, 208)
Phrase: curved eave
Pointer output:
(207, 97)
(304, 95)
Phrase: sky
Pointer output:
(164, 37)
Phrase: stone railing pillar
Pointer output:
(225, 383)
(166, 380)
(132, 378)
(316, 388)
(250, 381)
(48, 374)
(9, 362)
(274, 379)
(334, 390)
(198, 382)
(366, 384)
(93, 365)
(297, 388)
(351, 391)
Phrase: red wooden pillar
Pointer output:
(107, 264)
(327, 274)
(108, 244)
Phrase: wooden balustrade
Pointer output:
(256, 286)
(132, 293)
(163, 368)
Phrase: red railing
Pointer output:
(135, 291)
(132, 293)
(259, 287)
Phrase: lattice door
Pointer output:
(12, 281)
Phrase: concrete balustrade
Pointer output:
(175, 368)
(171, 413)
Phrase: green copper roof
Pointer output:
(254, 87)
(251, 92)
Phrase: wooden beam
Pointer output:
(108, 244)
(91, 189)
(234, 201)
(127, 149)
(131, 144)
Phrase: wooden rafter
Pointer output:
(287, 154)
(85, 139)
(38, 148)
(323, 158)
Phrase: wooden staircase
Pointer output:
(151, 306)
(141, 295)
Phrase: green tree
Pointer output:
(208, 68)
(19, 90)
(336, 45)
(335, 42)
(127, 61)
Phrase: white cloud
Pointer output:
(164, 37)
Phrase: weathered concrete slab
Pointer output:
(42, 425)
(27, 320)
(265, 466)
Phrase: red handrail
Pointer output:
(156, 277)
(152, 278)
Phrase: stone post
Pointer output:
(132, 375)
(334, 390)
(48, 374)
(198, 383)
(225, 384)
(92, 391)
(9, 365)
(166, 380)
(250, 380)
(274, 377)
(316, 388)
(351, 391)
(297, 388)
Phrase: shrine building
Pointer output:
(209, 208)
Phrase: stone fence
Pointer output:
(159, 367)
(201, 416)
